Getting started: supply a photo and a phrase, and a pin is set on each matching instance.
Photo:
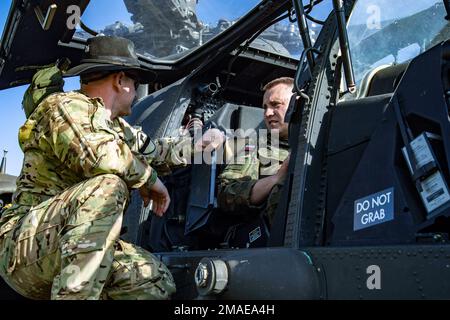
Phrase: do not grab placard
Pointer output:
(374, 209)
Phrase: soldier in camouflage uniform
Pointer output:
(253, 182)
(60, 238)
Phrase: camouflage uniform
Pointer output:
(60, 239)
(251, 164)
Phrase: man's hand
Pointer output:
(158, 193)
(211, 140)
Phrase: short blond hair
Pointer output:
(282, 80)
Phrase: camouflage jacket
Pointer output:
(69, 138)
(254, 162)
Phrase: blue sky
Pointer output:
(11, 113)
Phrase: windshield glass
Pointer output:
(284, 37)
(390, 32)
(164, 29)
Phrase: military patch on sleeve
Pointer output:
(145, 144)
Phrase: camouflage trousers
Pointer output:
(68, 247)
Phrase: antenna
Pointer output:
(3, 164)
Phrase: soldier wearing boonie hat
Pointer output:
(60, 238)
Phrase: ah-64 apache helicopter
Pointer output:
(365, 208)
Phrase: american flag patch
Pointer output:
(249, 147)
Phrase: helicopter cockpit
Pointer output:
(368, 175)
(224, 92)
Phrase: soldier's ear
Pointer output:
(117, 80)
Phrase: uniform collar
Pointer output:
(283, 143)
(95, 100)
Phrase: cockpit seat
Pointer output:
(234, 117)
(203, 182)
(381, 80)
